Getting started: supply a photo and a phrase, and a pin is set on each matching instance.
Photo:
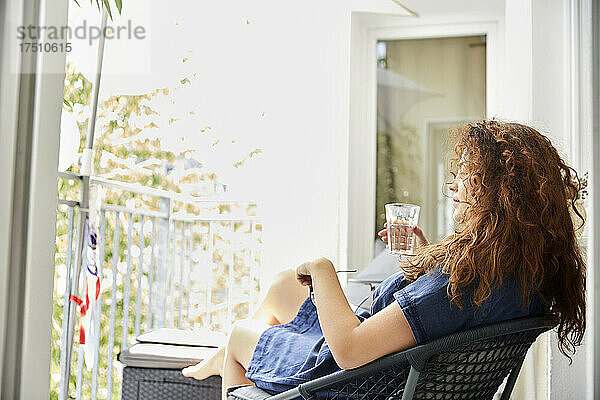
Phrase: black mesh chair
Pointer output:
(465, 365)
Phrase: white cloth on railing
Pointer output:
(88, 312)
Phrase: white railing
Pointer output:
(157, 268)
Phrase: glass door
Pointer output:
(424, 88)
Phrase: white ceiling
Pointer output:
(435, 11)
(446, 7)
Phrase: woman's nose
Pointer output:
(452, 186)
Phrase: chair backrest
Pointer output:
(474, 370)
(473, 364)
(466, 365)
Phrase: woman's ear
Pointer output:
(475, 186)
(475, 180)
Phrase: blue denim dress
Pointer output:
(293, 353)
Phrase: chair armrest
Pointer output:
(251, 392)
(340, 377)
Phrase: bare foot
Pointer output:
(209, 367)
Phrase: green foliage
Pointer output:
(114, 135)
(106, 4)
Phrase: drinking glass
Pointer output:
(401, 219)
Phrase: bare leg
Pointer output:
(242, 342)
(280, 305)
(283, 299)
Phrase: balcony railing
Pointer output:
(185, 263)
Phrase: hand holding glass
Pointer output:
(401, 219)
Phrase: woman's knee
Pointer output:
(286, 285)
(284, 280)
(285, 296)
(243, 339)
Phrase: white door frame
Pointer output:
(30, 110)
(362, 147)
(584, 105)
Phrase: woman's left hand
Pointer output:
(420, 238)
(305, 270)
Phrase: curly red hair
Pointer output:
(518, 224)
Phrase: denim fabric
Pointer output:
(431, 314)
(293, 353)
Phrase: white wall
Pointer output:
(276, 73)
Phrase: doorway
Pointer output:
(425, 87)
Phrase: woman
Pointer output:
(514, 254)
